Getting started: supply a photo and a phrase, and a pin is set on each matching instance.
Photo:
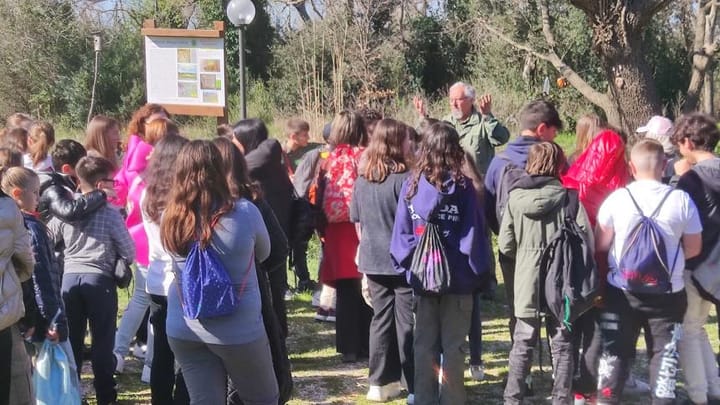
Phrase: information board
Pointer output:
(185, 71)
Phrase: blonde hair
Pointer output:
(648, 155)
(19, 120)
(545, 159)
(585, 130)
(42, 135)
(17, 177)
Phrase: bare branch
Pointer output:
(704, 49)
(546, 28)
(600, 99)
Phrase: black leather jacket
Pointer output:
(57, 199)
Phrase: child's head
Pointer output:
(440, 157)
(95, 173)
(159, 175)
(585, 130)
(348, 127)
(371, 117)
(19, 120)
(297, 132)
(388, 152)
(145, 115)
(10, 158)
(236, 170)
(102, 135)
(647, 160)
(16, 139)
(66, 155)
(249, 134)
(40, 138)
(23, 185)
(158, 129)
(695, 132)
(545, 159)
(225, 131)
(539, 118)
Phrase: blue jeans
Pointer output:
(132, 318)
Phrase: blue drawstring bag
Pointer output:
(207, 290)
(55, 380)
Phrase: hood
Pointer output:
(517, 150)
(538, 196)
(428, 197)
(709, 173)
(48, 179)
(265, 160)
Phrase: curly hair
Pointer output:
(199, 195)
(386, 153)
(159, 175)
(700, 128)
(441, 158)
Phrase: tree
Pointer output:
(618, 40)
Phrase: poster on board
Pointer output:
(185, 71)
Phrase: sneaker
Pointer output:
(330, 316)
(321, 315)
(633, 386)
(315, 299)
(119, 363)
(411, 399)
(145, 376)
(477, 372)
(139, 350)
(384, 393)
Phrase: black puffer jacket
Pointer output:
(57, 199)
(702, 183)
(265, 167)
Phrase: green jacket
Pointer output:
(533, 214)
(480, 135)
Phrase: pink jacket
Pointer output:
(129, 187)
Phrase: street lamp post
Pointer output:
(241, 13)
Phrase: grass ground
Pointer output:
(321, 378)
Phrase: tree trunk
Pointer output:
(302, 11)
(709, 91)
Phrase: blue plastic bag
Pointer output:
(55, 380)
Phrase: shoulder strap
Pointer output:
(637, 207)
(657, 209)
(572, 204)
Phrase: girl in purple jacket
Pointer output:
(438, 192)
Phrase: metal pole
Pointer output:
(241, 52)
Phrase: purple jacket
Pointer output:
(460, 216)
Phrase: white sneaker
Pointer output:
(316, 299)
(119, 363)
(411, 399)
(145, 376)
(634, 386)
(384, 393)
(139, 351)
(477, 372)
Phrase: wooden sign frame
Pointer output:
(218, 31)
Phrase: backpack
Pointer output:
(207, 290)
(508, 177)
(570, 282)
(430, 267)
(644, 261)
(342, 171)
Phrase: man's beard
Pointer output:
(456, 113)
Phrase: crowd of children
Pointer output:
(404, 217)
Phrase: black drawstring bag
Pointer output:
(430, 267)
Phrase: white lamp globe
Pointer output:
(241, 12)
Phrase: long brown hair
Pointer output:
(348, 128)
(96, 137)
(137, 122)
(198, 197)
(440, 158)
(42, 135)
(159, 175)
(235, 168)
(385, 154)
